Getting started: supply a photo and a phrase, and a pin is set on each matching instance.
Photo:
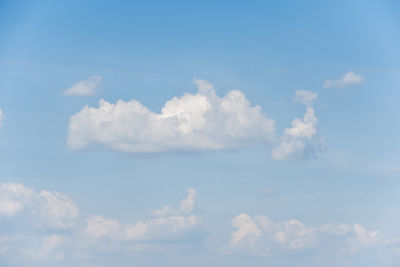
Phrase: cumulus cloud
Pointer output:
(51, 208)
(301, 140)
(84, 88)
(45, 226)
(246, 229)
(167, 224)
(32, 223)
(13, 198)
(59, 210)
(261, 236)
(192, 122)
(98, 227)
(347, 79)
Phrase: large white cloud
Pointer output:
(301, 140)
(261, 236)
(84, 88)
(201, 121)
(347, 79)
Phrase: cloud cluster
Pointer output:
(167, 224)
(301, 140)
(45, 226)
(52, 209)
(261, 236)
(347, 79)
(193, 122)
(35, 223)
(84, 88)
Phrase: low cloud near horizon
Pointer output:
(53, 229)
(263, 237)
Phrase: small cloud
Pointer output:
(347, 79)
(305, 97)
(247, 228)
(84, 88)
(301, 140)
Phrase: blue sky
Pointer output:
(215, 133)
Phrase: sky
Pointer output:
(208, 133)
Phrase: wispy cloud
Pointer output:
(84, 88)
(350, 78)
(305, 97)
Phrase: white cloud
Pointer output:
(13, 198)
(305, 97)
(301, 140)
(168, 224)
(59, 210)
(194, 122)
(45, 226)
(53, 209)
(246, 229)
(32, 223)
(98, 227)
(263, 237)
(84, 88)
(347, 79)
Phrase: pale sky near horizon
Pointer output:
(212, 133)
